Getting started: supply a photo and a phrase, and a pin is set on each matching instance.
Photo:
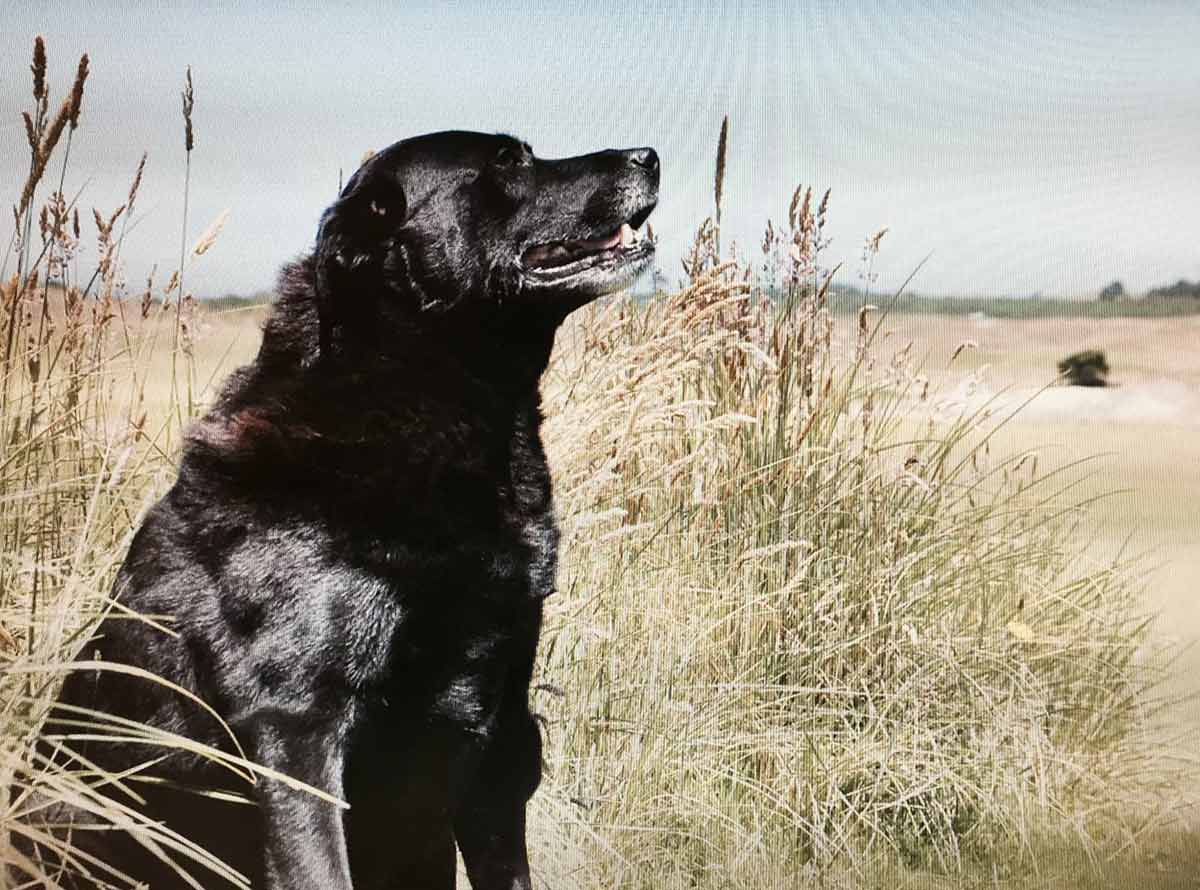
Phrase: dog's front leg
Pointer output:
(490, 823)
(305, 838)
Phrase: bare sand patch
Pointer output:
(1155, 402)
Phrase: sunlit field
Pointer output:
(1136, 447)
(1139, 437)
(834, 609)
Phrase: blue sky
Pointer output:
(1026, 147)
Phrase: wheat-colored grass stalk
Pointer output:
(67, 116)
(81, 456)
(186, 406)
(719, 181)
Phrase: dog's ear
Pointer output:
(353, 237)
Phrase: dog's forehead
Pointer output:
(449, 149)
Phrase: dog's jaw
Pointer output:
(587, 268)
(591, 277)
(557, 254)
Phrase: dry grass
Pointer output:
(797, 638)
(799, 634)
(89, 425)
(1139, 439)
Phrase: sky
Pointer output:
(1009, 148)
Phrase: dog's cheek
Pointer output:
(435, 272)
(469, 272)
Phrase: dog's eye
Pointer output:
(510, 156)
(511, 174)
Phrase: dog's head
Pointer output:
(450, 220)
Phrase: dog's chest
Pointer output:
(539, 534)
(529, 512)
(457, 653)
(427, 604)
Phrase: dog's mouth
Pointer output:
(556, 255)
(618, 256)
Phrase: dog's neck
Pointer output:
(503, 346)
(437, 394)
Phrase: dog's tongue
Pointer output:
(622, 236)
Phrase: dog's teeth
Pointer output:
(628, 236)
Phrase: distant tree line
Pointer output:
(1180, 290)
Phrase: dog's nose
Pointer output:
(644, 157)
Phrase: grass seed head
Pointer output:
(42, 155)
(719, 183)
(189, 101)
(76, 99)
(137, 181)
(210, 235)
(39, 69)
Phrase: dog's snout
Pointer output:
(646, 158)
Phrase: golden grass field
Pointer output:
(1142, 435)
(1140, 439)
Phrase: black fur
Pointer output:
(356, 551)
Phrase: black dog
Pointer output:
(355, 554)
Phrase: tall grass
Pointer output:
(89, 424)
(806, 620)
